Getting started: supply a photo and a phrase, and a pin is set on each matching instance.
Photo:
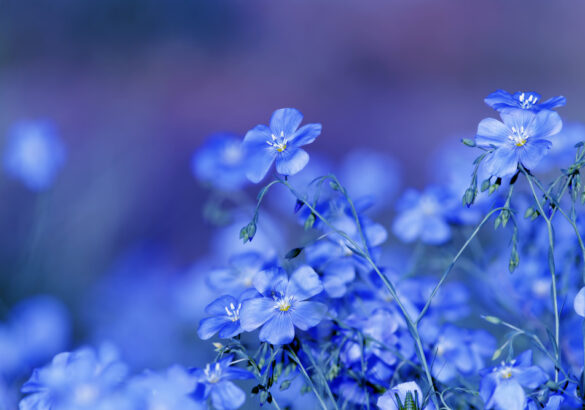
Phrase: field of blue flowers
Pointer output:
(473, 298)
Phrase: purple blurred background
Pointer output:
(136, 86)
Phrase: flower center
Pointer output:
(283, 303)
(279, 143)
(213, 374)
(518, 136)
(506, 373)
(233, 312)
(527, 100)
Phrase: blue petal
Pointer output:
(407, 226)
(553, 103)
(231, 329)
(227, 396)
(509, 395)
(306, 134)
(375, 233)
(255, 312)
(518, 118)
(285, 120)
(487, 387)
(304, 283)
(257, 136)
(217, 307)
(524, 359)
(211, 325)
(270, 279)
(533, 152)
(307, 314)
(502, 162)
(499, 99)
(279, 330)
(491, 132)
(291, 160)
(545, 124)
(259, 163)
(530, 377)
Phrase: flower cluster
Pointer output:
(320, 305)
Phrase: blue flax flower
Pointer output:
(522, 138)
(82, 379)
(214, 383)
(283, 305)
(501, 100)
(34, 154)
(225, 316)
(280, 141)
(401, 395)
(502, 388)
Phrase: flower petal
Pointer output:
(291, 160)
(491, 132)
(255, 312)
(285, 120)
(261, 158)
(227, 396)
(579, 303)
(211, 325)
(279, 330)
(306, 134)
(308, 314)
(304, 283)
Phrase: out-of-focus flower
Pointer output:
(34, 154)
(280, 142)
(522, 138)
(423, 216)
(75, 380)
(221, 162)
(502, 388)
(169, 390)
(214, 383)
(579, 302)
(284, 304)
(239, 275)
(526, 100)
(404, 396)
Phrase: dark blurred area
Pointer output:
(134, 87)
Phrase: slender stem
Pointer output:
(319, 372)
(551, 265)
(296, 359)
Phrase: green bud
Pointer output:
(310, 222)
(485, 185)
(492, 319)
(293, 253)
(468, 142)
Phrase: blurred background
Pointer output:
(134, 87)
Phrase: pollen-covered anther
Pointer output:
(233, 312)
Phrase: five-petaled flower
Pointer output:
(501, 100)
(280, 141)
(522, 138)
(284, 304)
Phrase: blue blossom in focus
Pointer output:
(521, 138)
(82, 379)
(168, 390)
(34, 154)
(214, 383)
(404, 396)
(225, 316)
(280, 141)
(501, 100)
(221, 162)
(503, 387)
(423, 216)
(284, 304)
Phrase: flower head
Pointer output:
(280, 141)
(501, 100)
(214, 382)
(522, 138)
(283, 305)
(225, 316)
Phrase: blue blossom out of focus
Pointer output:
(333, 285)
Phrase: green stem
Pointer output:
(296, 359)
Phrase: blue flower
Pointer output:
(554, 403)
(399, 396)
(169, 390)
(214, 382)
(520, 138)
(78, 380)
(221, 162)
(280, 142)
(225, 318)
(34, 154)
(337, 270)
(423, 216)
(579, 302)
(284, 304)
(501, 100)
(502, 388)
(239, 275)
